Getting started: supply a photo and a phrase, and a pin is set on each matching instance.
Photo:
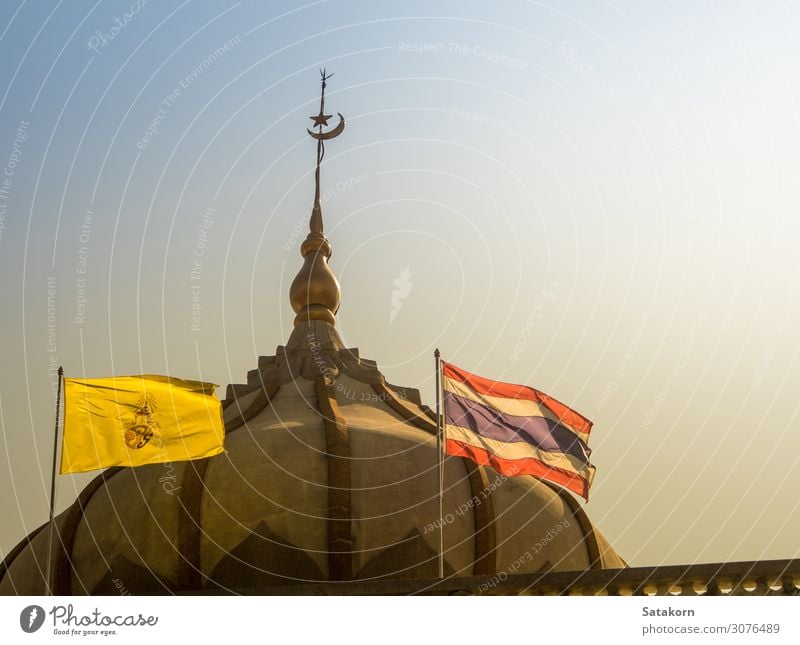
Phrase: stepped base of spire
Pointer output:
(313, 336)
(315, 350)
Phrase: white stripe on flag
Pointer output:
(520, 450)
(515, 407)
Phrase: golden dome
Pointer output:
(329, 474)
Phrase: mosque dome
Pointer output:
(329, 474)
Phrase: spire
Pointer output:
(315, 292)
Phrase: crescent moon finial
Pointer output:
(320, 121)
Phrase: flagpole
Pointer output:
(439, 452)
(53, 484)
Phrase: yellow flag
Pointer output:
(137, 420)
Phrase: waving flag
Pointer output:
(137, 420)
(516, 430)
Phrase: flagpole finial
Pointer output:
(436, 352)
(60, 371)
(315, 292)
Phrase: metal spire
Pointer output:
(321, 120)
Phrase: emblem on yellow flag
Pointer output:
(143, 426)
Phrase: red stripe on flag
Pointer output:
(524, 466)
(488, 387)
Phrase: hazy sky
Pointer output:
(598, 199)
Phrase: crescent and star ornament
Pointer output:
(322, 120)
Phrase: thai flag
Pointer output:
(516, 430)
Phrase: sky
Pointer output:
(596, 199)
